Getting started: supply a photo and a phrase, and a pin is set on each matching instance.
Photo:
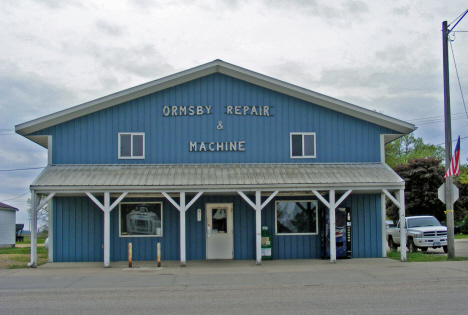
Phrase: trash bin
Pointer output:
(266, 244)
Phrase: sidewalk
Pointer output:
(232, 273)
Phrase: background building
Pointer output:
(7, 225)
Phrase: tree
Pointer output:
(423, 178)
(408, 147)
(42, 216)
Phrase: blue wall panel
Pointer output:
(366, 225)
(78, 231)
(93, 139)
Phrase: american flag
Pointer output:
(454, 168)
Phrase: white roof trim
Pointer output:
(204, 70)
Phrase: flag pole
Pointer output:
(448, 146)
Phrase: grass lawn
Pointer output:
(460, 236)
(19, 257)
(422, 257)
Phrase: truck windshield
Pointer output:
(419, 222)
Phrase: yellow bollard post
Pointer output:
(130, 255)
(159, 254)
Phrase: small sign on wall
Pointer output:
(198, 214)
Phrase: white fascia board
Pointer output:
(204, 70)
(233, 188)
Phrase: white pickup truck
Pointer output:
(421, 232)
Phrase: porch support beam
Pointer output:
(258, 206)
(106, 208)
(43, 202)
(182, 207)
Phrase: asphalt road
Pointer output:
(442, 297)
(355, 286)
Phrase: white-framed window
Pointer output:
(302, 145)
(131, 145)
(296, 217)
(140, 219)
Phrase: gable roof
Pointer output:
(216, 66)
(4, 206)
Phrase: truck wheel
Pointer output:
(424, 249)
(391, 244)
(445, 249)
(412, 248)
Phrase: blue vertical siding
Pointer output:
(78, 231)
(167, 138)
(366, 218)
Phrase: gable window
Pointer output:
(296, 217)
(302, 145)
(131, 145)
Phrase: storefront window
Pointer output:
(296, 217)
(140, 219)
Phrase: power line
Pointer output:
(459, 84)
(457, 18)
(16, 197)
(452, 141)
(22, 169)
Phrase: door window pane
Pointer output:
(219, 220)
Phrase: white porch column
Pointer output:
(183, 260)
(33, 230)
(183, 207)
(50, 206)
(401, 200)
(384, 225)
(106, 208)
(258, 206)
(106, 229)
(332, 227)
(331, 205)
(258, 226)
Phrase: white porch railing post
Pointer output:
(401, 200)
(332, 227)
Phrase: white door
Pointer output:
(219, 236)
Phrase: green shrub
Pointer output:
(464, 226)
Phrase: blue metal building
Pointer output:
(201, 160)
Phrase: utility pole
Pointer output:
(448, 146)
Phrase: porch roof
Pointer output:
(216, 177)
